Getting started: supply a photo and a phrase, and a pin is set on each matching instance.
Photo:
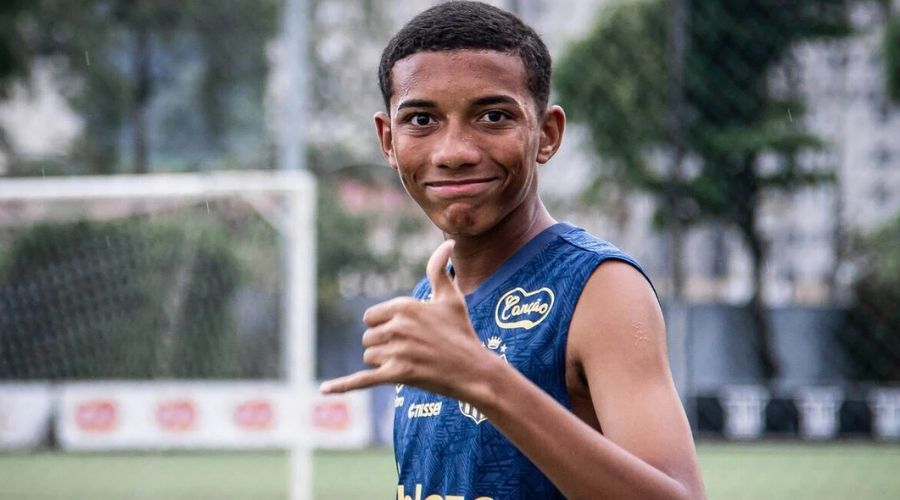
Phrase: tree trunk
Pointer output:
(142, 89)
(756, 307)
(758, 310)
(7, 150)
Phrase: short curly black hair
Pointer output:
(461, 25)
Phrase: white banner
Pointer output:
(212, 415)
(342, 420)
(25, 413)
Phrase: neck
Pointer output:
(476, 257)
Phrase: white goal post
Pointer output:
(286, 200)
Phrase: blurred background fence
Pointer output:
(747, 152)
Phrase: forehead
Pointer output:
(460, 74)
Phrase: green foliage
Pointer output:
(723, 119)
(342, 245)
(892, 57)
(736, 119)
(872, 333)
(14, 65)
(116, 56)
(124, 299)
(613, 81)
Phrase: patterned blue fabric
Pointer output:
(522, 312)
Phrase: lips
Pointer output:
(460, 187)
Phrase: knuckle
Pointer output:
(405, 370)
(398, 350)
(374, 336)
(399, 325)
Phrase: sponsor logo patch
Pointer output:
(254, 415)
(518, 308)
(331, 415)
(176, 415)
(97, 415)
(424, 410)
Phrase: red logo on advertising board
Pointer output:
(332, 415)
(176, 414)
(99, 415)
(255, 414)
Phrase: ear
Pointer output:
(385, 137)
(553, 124)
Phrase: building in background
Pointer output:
(808, 232)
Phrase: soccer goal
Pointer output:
(159, 312)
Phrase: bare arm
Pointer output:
(617, 336)
(647, 451)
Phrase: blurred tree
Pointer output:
(871, 335)
(342, 244)
(14, 66)
(123, 299)
(343, 68)
(116, 55)
(731, 119)
(891, 49)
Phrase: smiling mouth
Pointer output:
(460, 187)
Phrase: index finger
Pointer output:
(354, 381)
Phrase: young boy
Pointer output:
(535, 365)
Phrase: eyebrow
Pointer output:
(416, 103)
(494, 99)
(488, 100)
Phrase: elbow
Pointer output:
(690, 490)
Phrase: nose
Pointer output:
(455, 148)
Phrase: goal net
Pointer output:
(159, 312)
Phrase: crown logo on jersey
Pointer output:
(496, 344)
(518, 308)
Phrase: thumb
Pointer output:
(442, 285)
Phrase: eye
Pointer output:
(420, 119)
(494, 116)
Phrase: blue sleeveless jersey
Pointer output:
(446, 449)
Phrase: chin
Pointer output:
(454, 219)
(464, 225)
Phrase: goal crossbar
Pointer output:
(295, 222)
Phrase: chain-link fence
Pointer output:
(766, 136)
(747, 152)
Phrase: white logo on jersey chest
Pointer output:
(519, 308)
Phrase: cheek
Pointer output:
(520, 155)
(411, 155)
(406, 166)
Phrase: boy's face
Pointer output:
(464, 136)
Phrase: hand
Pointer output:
(430, 345)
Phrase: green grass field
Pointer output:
(857, 471)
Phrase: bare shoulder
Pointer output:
(618, 316)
